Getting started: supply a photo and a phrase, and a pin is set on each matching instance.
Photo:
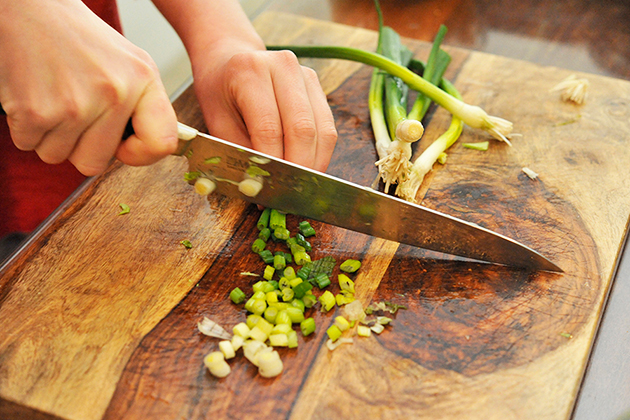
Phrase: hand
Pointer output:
(72, 83)
(265, 100)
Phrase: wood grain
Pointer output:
(99, 319)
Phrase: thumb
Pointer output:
(155, 129)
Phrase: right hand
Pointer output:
(72, 83)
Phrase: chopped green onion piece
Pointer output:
(241, 329)
(295, 315)
(301, 240)
(271, 297)
(482, 145)
(266, 256)
(287, 294)
(271, 313)
(342, 323)
(124, 209)
(191, 176)
(277, 220)
(306, 229)
(322, 280)
(442, 158)
(259, 294)
(323, 265)
(304, 272)
(298, 303)
(350, 265)
(309, 300)
(283, 283)
(364, 331)
(289, 272)
(252, 320)
(258, 334)
(264, 234)
(279, 340)
(279, 262)
(333, 332)
(327, 300)
(263, 220)
(345, 283)
(237, 296)
(283, 317)
(255, 171)
(307, 326)
(301, 289)
(256, 306)
(274, 284)
(293, 339)
(269, 271)
(301, 258)
(294, 282)
(282, 233)
(258, 246)
(281, 329)
(186, 243)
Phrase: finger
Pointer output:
(298, 122)
(155, 126)
(255, 99)
(324, 121)
(59, 143)
(95, 148)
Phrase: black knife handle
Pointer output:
(126, 134)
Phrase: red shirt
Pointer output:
(30, 189)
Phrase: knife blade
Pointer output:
(315, 195)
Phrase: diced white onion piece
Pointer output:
(332, 345)
(226, 348)
(204, 186)
(186, 133)
(531, 174)
(250, 187)
(377, 328)
(216, 364)
(212, 329)
(269, 364)
(364, 331)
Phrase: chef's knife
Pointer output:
(298, 190)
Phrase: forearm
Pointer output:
(209, 25)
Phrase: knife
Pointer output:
(295, 189)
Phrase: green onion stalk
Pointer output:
(471, 115)
(424, 163)
(394, 166)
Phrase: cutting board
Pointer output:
(99, 311)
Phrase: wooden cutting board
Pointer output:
(99, 312)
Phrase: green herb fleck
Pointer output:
(191, 176)
(566, 335)
(124, 209)
(186, 243)
(213, 160)
(482, 145)
(255, 171)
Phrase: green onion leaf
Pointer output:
(482, 145)
(124, 209)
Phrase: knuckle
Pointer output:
(303, 128)
(267, 132)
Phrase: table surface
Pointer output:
(583, 35)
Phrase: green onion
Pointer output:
(289, 272)
(301, 240)
(306, 229)
(482, 146)
(258, 246)
(333, 332)
(287, 294)
(472, 115)
(266, 256)
(283, 317)
(342, 323)
(124, 209)
(327, 300)
(256, 306)
(298, 303)
(301, 289)
(293, 339)
(279, 262)
(270, 314)
(277, 220)
(424, 163)
(301, 258)
(269, 271)
(263, 220)
(345, 283)
(307, 326)
(282, 233)
(322, 280)
(252, 320)
(279, 340)
(350, 265)
(295, 315)
(237, 296)
(186, 243)
(264, 234)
